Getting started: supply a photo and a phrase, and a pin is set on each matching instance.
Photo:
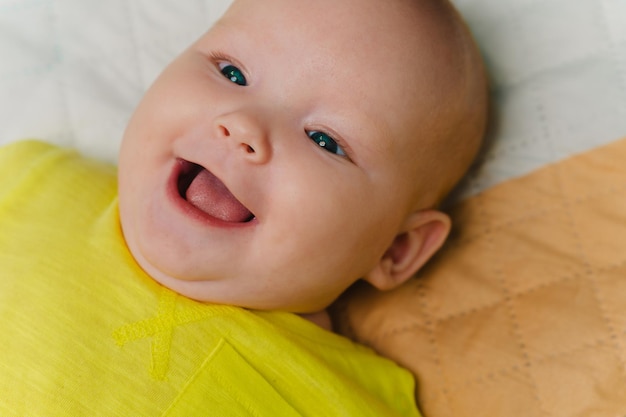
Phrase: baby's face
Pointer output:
(268, 166)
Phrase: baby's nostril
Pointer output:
(250, 149)
(225, 131)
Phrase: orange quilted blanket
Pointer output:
(524, 311)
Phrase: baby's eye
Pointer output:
(234, 74)
(326, 142)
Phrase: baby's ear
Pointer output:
(423, 233)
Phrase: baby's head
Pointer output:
(299, 146)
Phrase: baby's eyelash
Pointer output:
(219, 57)
(335, 144)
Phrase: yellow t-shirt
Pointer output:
(85, 332)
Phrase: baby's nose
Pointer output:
(246, 136)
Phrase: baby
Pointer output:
(297, 147)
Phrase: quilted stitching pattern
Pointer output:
(524, 312)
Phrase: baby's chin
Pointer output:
(230, 285)
(227, 292)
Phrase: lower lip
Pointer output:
(191, 211)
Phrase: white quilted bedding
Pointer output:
(71, 72)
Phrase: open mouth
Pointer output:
(207, 193)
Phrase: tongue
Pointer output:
(209, 194)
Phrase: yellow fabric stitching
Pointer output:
(160, 328)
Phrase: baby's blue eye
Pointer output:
(234, 74)
(326, 142)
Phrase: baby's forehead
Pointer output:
(357, 23)
(348, 50)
